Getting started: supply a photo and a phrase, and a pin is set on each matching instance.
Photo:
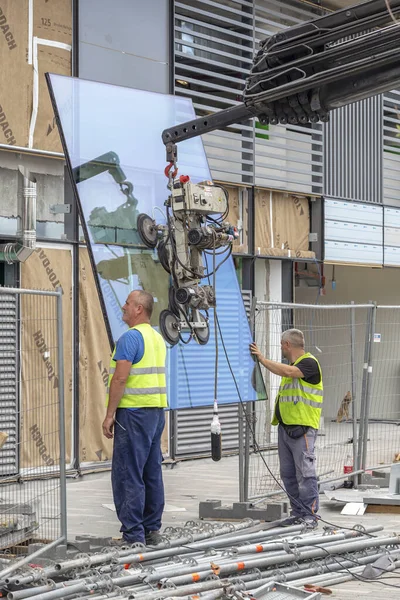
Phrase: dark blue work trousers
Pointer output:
(136, 475)
(297, 466)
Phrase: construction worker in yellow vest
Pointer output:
(297, 413)
(136, 399)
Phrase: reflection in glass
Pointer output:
(118, 226)
(121, 270)
(113, 141)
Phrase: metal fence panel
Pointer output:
(33, 417)
(339, 337)
(383, 435)
(9, 395)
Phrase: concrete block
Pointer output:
(89, 543)
(367, 486)
(213, 509)
(79, 546)
(93, 540)
(377, 478)
(57, 553)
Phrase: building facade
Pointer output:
(315, 205)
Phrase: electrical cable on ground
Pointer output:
(355, 575)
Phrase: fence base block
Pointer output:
(376, 478)
(213, 509)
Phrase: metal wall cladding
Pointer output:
(9, 419)
(192, 426)
(214, 47)
(353, 232)
(353, 151)
(115, 46)
(391, 234)
(361, 233)
(391, 148)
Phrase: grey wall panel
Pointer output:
(125, 42)
(353, 212)
(353, 151)
(392, 256)
(193, 430)
(391, 236)
(192, 426)
(353, 232)
(106, 66)
(391, 148)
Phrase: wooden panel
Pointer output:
(30, 47)
(238, 217)
(282, 225)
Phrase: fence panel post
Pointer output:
(249, 426)
(61, 416)
(364, 385)
(369, 389)
(354, 390)
(241, 452)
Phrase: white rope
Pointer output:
(396, 21)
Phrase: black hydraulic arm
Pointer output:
(347, 21)
(302, 73)
(108, 162)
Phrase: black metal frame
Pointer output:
(171, 25)
(72, 230)
(73, 219)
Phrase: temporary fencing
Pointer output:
(358, 348)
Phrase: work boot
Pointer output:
(153, 538)
(310, 522)
(292, 520)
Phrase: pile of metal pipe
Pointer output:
(208, 561)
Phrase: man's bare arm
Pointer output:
(276, 367)
(117, 387)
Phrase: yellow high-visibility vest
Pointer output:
(146, 383)
(300, 403)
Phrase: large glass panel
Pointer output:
(113, 141)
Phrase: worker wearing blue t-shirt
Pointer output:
(136, 398)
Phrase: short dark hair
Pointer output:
(146, 300)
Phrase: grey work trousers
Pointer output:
(298, 474)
